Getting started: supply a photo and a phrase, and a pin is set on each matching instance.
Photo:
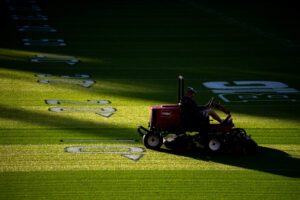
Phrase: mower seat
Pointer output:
(194, 123)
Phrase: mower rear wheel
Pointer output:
(152, 140)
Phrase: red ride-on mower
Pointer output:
(168, 126)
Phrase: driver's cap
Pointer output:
(190, 90)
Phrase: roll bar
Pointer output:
(180, 89)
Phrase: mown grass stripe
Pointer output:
(135, 184)
(278, 159)
(98, 141)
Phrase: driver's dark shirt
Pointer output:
(189, 106)
(194, 117)
(191, 109)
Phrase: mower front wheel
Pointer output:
(152, 140)
(214, 145)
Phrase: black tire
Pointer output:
(152, 140)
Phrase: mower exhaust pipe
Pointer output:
(180, 89)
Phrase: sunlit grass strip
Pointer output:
(21, 55)
(54, 158)
(98, 141)
(157, 184)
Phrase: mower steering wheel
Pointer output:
(210, 103)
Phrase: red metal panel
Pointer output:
(165, 116)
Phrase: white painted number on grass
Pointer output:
(83, 83)
(29, 28)
(83, 109)
(245, 91)
(102, 111)
(53, 102)
(105, 149)
(128, 152)
(29, 17)
(70, 60)
(105, 112)
(248, 86)
(44, 42)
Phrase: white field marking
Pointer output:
(245, 26)
(81, 149)
(249, 86)
(44, 42)
(83, 83)
(29, 17)
(134, 157)
(246, 97)
(63, 76)
(54, 102)
(98, 140)
(130, 153)
(239, 91)
(244, 85)
(52, 44)
(246, 91)
(107, 115)
(83, 109)
(44, 28)
(25, 8)
(54, 59)
(102, 111)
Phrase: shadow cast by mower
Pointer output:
(269, 160)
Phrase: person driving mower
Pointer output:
(192, 113)
(196, 118)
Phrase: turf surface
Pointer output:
(134, 51)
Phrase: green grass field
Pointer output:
(133, 52)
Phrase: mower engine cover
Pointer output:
(165, 117)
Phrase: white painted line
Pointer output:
(54, 57)
(107, 115)
(94, 102)
(45, 58)
(134, 157)
(30, 17)
(223, 98)
(44, 42)
(63, 76)
(83, 83)
(45, 28)
(96, 110)
(110, 150)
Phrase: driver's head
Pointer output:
(190, 92)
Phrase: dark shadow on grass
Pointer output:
(269, 160)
